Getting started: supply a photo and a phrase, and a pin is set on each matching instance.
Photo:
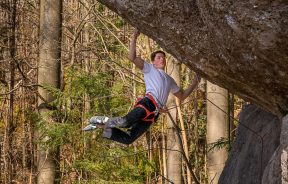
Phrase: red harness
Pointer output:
(150, 116)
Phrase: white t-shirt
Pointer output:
(158, 83)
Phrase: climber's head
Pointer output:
(158, 59)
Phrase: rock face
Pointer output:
(277, 170)
(239, 45)
(253, 148)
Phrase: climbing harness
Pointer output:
(150, 115)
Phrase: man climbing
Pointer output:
(146, 111)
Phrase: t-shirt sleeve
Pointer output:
(146, 67)
(174, 87)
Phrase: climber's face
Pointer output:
(160, 61)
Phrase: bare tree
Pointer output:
(217, 128)
(174, 155)
(49, 74)
(9, 55)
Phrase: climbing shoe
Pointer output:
(90, 127)
(98, 120)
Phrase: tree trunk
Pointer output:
(87, 69)
(231, 127)
(174, 157)
(9, 123)
(185, 142)
(217, 128)
(164, 153)
(49, 74)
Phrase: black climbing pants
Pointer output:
(132, 122)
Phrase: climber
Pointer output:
(146, 111)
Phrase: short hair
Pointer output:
(156, 52)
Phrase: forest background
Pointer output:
(96, 78)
